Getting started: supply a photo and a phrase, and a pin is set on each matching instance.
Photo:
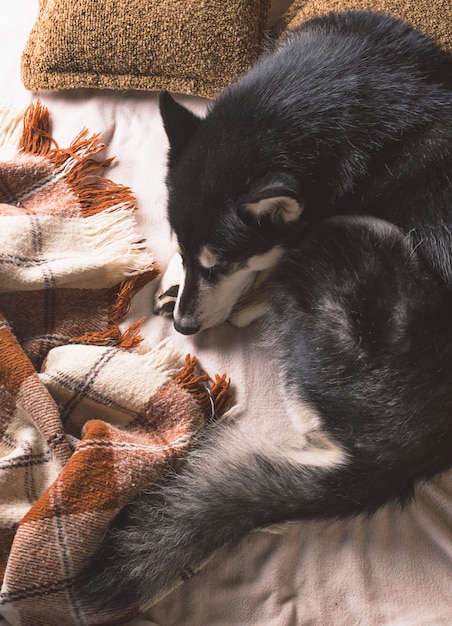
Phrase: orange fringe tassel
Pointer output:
(36, 137)
(213, 396)
(95, 194)
(128, 288)
(113, 336)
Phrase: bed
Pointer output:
(393, 569)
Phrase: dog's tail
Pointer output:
(231, 485)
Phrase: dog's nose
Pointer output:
(185, 329)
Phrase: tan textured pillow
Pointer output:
(433, 17)
(188, 46)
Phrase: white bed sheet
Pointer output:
(394, 569)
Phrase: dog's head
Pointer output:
(232, 208)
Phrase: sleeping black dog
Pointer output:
(316, 192)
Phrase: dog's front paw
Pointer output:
(166, 296)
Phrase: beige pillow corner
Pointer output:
(433, 18)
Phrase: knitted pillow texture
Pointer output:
(188, 46)
(433, 17)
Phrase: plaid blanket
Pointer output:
(88, 417)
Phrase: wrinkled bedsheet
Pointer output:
(393, 569)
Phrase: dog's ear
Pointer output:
(277, 201)
(179, 123)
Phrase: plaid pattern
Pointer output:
(87, 416)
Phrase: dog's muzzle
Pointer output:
(186, 329)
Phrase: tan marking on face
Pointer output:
(207, 258)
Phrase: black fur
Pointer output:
(353, 118)
(354, 111)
